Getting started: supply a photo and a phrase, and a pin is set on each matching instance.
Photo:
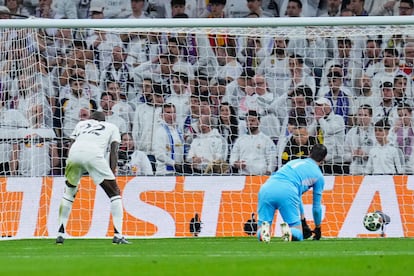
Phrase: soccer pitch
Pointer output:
(208, 256)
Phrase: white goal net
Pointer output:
(205, 100)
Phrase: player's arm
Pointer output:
(317, 208)
(113, 156)
(307, 232)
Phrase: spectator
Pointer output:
(357, 7)
(311, 53)
(215, 9)
(132, 161)
(365, 96)
(121, 106)
(180, 97)
(389, 70)
(372, 54)
(207, 148)
(294, 8)
(261, 160)
(229, 68)
(401, 92)
(387, 107)
(102, 44)
(70, 9)
(4, 13)
(340, 100)
(199, 105)
(404, 132)
(276, 67)
(300, 74)
(267, 106)
(30, 95)
(80, 57)
(120, 71)
(37, 151)
(271, 6)
(146, 93)
(11, 121)
(170, 9)
(351, 67)
(236, 93)
(138, 11)
(252, 51)
(300, 143)
(181, 64)
(255, 6)
(384, 158)
(106, 106)
(229, 126)
(300, 107)
(329, 128)
(144, 51)
(168, 143)
(146, 120)
(67, 112)
(114, 8)
(333, 9)
(359, 141)
(16, 8)
(176, 7)
(347, 12)
(407, 63)
(406, 7)
(89, 90)
(191, 121)
(45, 10)
(381, 7)
(160, 70)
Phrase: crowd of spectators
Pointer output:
(205, 103)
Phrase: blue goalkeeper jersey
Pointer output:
(304, 174)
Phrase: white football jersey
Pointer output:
(94, 137)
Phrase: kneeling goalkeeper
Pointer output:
(283, 191)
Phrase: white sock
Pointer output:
(117, 215)
(66, 207)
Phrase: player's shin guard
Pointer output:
(66, 207)
(296, 234)
(117, 215)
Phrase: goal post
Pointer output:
(54, 73)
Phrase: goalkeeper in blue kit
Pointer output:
(283, 191)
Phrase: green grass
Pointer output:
(208, 256)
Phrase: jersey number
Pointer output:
(93, 129)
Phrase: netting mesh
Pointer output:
(52, 78)
(211, 102)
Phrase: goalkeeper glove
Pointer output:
(317, 234)
(307, 232)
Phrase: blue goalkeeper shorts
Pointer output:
(279, 195)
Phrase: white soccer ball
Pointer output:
(373, 221)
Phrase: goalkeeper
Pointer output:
(283, 191)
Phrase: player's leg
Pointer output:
(73, 173)
(101, 173)
(289, 210)
(266, 211)
(112, 190)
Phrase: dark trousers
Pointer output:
(335, 169)
(4, 168)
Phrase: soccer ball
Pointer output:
(373, 221)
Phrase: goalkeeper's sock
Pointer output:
(66, 207)
(117, 215)
(296, 234)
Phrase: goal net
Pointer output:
(216, 108)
